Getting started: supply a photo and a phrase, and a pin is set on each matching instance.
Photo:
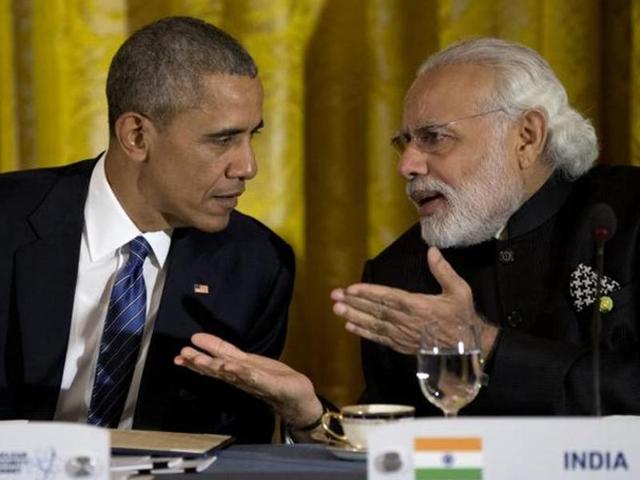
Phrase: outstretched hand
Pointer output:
(288, 392)
(397, 318)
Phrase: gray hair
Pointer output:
(524, 80)
(158, 71)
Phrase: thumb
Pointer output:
(444, 273)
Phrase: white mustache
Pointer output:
(427, 184)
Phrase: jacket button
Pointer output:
(506, 256)
(515, 319)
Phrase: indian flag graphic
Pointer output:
(448, 458)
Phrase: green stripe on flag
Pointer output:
(448, 474)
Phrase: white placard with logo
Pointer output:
(568, 448)
(53, 451)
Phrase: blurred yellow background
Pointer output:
(335, 72)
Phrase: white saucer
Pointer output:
(346, 452)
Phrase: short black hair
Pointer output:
(157, 71)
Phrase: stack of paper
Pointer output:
(124, 466)
(137, 452)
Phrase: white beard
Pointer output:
(476, 210)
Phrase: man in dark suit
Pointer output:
(498, 165)
(109, 266)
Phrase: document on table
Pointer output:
(123, 466)
(144, 442)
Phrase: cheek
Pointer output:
(213, 171)
(168, 179)
(477, 160)
(456, 169)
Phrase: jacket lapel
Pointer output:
(45, 277)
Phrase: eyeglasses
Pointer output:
(432, 138)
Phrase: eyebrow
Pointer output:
(431, 125)
(234, 131)
(403, 132)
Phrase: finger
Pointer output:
(378, 311)
(337, 294)
(227, 370)
(191, 364)
(392, 298)
(366, 322)
(354, 315)
(364, 305)
(373, 316)
(444, 273)
(219, 368)
(188, 353)
(367, 334)
(217, 347)
(194, 369)
(193, 359)
(405, 345)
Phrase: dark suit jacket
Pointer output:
(542, 364)
(248, 268)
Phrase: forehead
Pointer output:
(219, 88)
(447, 93)
(227, 100)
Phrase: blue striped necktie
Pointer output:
(121, 339)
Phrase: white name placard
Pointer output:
(541, 448)
(53, 451)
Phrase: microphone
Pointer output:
(602, 225)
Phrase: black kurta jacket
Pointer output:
(542, 363)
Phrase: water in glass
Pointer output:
(449, 372)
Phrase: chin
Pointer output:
(212, 224)
(458, 231)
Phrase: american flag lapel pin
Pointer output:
(201, 288)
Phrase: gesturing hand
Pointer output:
(397, 318)
(288, 392)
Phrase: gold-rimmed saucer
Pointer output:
(348, 452)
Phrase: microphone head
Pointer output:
(602, 221)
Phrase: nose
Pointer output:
(412, 163)
(243, 165)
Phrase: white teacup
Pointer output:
(358, 421)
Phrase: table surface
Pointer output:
(286, 462)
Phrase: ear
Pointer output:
(133, 133)
(532, 137)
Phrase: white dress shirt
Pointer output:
(103, 251)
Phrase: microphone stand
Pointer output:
(600, 234)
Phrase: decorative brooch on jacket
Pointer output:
(582, 288)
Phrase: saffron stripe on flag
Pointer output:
(448, 443)
(448, 474)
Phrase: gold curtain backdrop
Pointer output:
(335, 72)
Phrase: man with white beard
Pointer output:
(498, 165)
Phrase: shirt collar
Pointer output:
(107, 225)
(540, 207)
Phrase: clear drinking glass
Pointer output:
(449, 367)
